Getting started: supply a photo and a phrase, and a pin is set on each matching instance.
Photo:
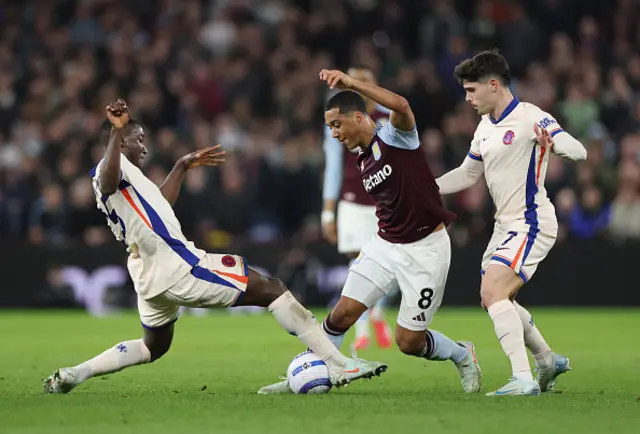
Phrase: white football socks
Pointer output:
(439, 347)
(533, 339)
(123, 355)
(298, 321)
(510, 332)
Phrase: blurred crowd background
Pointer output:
(244, 73)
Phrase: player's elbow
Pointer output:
(403, 106)
(579, 154)
(582, 155)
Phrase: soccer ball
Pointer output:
(308, 374)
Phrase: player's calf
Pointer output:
(433, 345)
(154, 344)
(261, 290)
(411, 342)
(498, 284)
(429, 344)
(122, 355)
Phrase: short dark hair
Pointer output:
(483, 65)
(346, 102)
(105, 130)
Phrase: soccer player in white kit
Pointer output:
(168, 271)
(344, 197)
(511, 146)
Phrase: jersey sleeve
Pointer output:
(474, 151)
(333, 166)
(564, 144)
(546, 121)
(105, 206)
(392, 136)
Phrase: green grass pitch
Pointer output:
(206, 383)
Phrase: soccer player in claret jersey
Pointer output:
(168, 271)
(511, 146)
(356, 220)
(412, 249)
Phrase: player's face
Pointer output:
(133, 146)
(347, 128)
(481, 95)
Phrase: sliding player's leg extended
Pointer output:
(162, 313)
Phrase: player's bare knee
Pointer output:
(261, 290)
(410, 342)
(274, 289)
(489, 295)
(158, 341)
(498, 283)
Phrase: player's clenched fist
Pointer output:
(118, 113)
(336, 79)
(211, 156)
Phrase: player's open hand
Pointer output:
(118, 113)
(543, 137)
(211, 156)
(336, 79)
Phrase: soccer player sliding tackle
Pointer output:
(511, 146)
(168, 271)
(411, 250)
(344, 197)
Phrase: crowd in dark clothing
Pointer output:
(244, 73)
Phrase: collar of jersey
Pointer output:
(373, 139)
(507, 111)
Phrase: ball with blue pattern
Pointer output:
(308, 374)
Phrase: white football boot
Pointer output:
(469, 369)
(355, 369)
(518, 387)
(278, 388)
(61, 381)
(551, 368)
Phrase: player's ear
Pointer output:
(493, 84)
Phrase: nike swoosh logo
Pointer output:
(500, 338)
(504, 392)
(352, 371)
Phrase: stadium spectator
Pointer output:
(244, 74)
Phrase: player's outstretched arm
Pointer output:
(109, 174)
(461, 177)
(401, 117)
(211, 156)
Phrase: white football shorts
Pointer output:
(217, 281)
(418, 269)
(519, 246)
(356, 225)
